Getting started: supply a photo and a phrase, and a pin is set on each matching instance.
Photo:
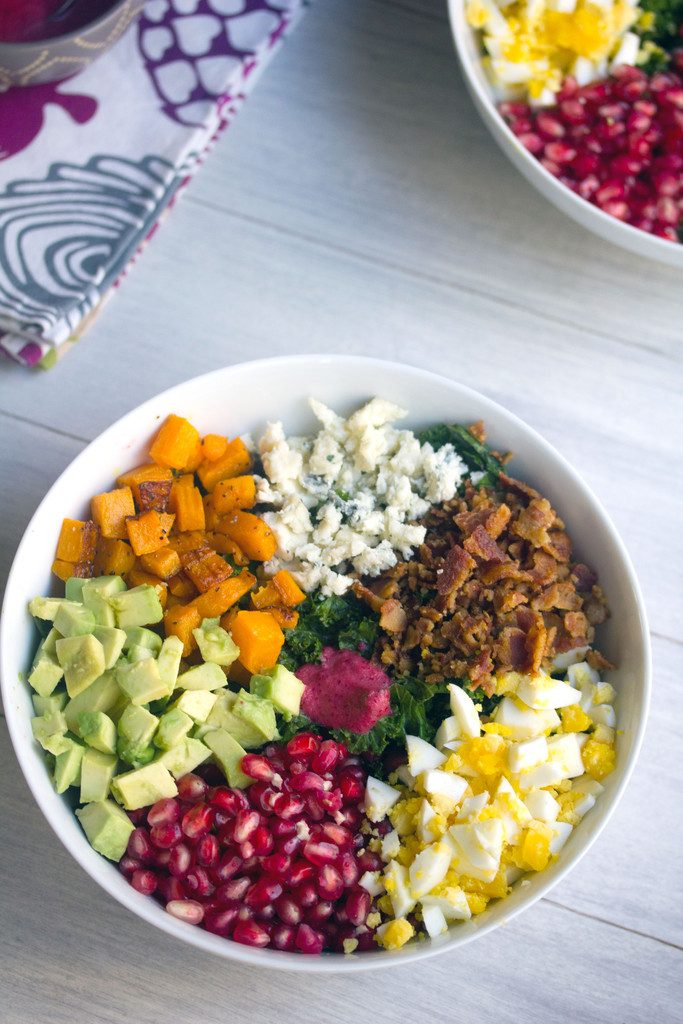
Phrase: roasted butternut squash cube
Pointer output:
(289, 590)
(134, 477)
(110, 511)
(211, 517)
(266, 597)
(286, 618)
(182, 587)
(164, 562)
(65, 570)
(136, 577)
(180, 621)
(206, 569)
(214, 447)
(259, 639)
(193, 540)
(237, 492)
(225, 546)
(217, 600)
(186, 503)
(77, 541)
(175, 443)
(113, 557)
(235, 461)
(149, 531)
(253, 535)
(154, 494)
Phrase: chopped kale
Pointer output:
(475, 454)
(660, 24)
(334, 621)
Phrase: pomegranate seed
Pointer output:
(220, 922)
(230, 801)
(369, 861)
(197, 821)
(366, 942)
(320, 853)
(319, 912)
(510, 108)
(277, 863)
(258, 767)
(664, 231)
(165, 836)
(668, 212)
(186, 910)
(351, 817)
(198, 883)
(326, 757)
(262, 841)
(337, 834)
(246, 851)
(288, 846)
(559, 152)
(246, 824)
(229, 865)
(162, 857)
(300, 872)
(138, 817)
(306, 780)
(171, 889)
(348, 868)
(191, 788)
(283, 937)
(127, 865)
(264, 891)
(308, 940)
(163, 812)
(250, 933)
(234, 889)
(208, 851)
(180, 861)
(330, 882)
(288, 910)
(144, 880)
(306, 895)
(315, 808)
(303, 745)
(288, 806)
(351, 787)
(667, 183)
(616, 208)
(262, 796)
(279, 827)
(357, 905)
(549, 127)
(140, 846)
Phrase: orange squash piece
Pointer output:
(65, 570)
(136, 577)
(181, 587)
(186, 502)
(175, 443)
(110, 511)
(237, 492)
(253, 535)
(259, 639)
(196, 458)
(113, 557)
(77, 541)
(289, 590)
(134, 477)
(191, 541)
(221, 542)
(164, 562)
(235, 461)
(149, 531)
(286, 618)
(266, 597)
(211, 517)
(154, 494)
(214, 447)
(180, 621)
(217, 600)
(206, 569)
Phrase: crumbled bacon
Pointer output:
(393, 617)
(483, 546)
(457, 565)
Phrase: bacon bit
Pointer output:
(559, 545)
(478, 430)
(583, 578)
(534, 521)
(559, 595)
(457, 566)
(364, 593)
(518, 486)
(393, 617)
(483, 546)
(598, 661)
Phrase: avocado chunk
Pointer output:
(57, 743)
(73, 589)
(173, 727)
(136, 728)
(44, 705)
(168, 661)
(45, 607)
(141, 681)
(97, 771)
(45, 674)
(73, 619)
(105, 586)
(102, 695)
(215, 643)
(112, 641)
(202, 677)
(50, 724)
(107, 828)
(184, 757)
(138, 653)
(99, 605)
(258, 713)
(82, 658)
(98, 731)
(68, 766)
(139, 636)
(137, 607)
(222, 717)
(228, 754)
(281, 687)
(196, 703)
(143, 786)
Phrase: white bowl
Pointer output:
(468, 47)
(239, 398)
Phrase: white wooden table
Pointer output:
(359, 205)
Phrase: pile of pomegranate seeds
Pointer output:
(276, 864)
(617, 143)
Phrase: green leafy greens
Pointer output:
(667, 20)
(474, 453)
(342, 622)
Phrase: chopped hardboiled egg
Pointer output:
(434, 920)
(379, 798)
(422, 756)
(448, 731)
(527, 754)
(429, 868)
(444, 784)
(541, 692)
(522, 721)
(464, 711)
(451, 901)
(542, 805)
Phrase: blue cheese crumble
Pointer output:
(346, 499)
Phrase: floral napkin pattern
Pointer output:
(88, 166)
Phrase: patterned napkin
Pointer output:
(89, 166)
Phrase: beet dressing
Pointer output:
(25, 21)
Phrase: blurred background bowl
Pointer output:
(51, 60)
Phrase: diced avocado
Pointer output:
(137, 726)
(102, 695)
(45, 607)
(139, 636)
(98, 731)
(143, 786)
(228, 753)
(222, 717)
(73, 619)
(185, 757)
(99, 605)
(45, 674)
(215, 643)
(50, 724)
(141, 681)
(106, 586)
(258, 713)
(97, 771)
(173, 727)
(202, 677)
(280, 686)
(73, 589)
(137, 607)
(168, 661)
(57, 743)
(112, 641)
(196, 703)
(138, 653)
(44, 705)
(68, 766)
(48, 646)
(107, 828)
(82, 658)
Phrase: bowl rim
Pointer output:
(148, 909)
(67, 37)
(615, 231)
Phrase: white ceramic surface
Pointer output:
(468, 47)
(240, 398)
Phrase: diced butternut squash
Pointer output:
(214, 447)
(289, 590)
(180, 621)
(154, 494)
(238, 492)
(164, 562)
(149, 531)
(235, 461)
(134, 477)
(175, 443)
(182, 587)
(65, 570)
(110, 511)
(196, 458)
(137, 577)
(265, 597)
(186, 503)
(217, 600)
(286, 618)
(206, 569)
(221, 542)
(191, 541)
(259, 639)
(77, 541)
(113, 557)
(211, 517)
(253, 535)
(227, 621)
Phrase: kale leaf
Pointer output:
(475, 454)
(334, 621)
(667, 20)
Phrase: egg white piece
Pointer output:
(527, 754)
(477, 848)
(429, 868)
(512, 812)
(627, 52)
(542, 692)
(603, 714)
(577, 654)
(434, 921)
(372, 882)
(379, 798)
(397, 884)
(422, 756)
(452, 903)
(472, 806)
(448, 730)
(464, 711)
(524, 722)
(444, 784)
(391, 845)
(426, 833)
(540, 777)
(564, 751)
(542, 806)
(404, 775)
(562, 830)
